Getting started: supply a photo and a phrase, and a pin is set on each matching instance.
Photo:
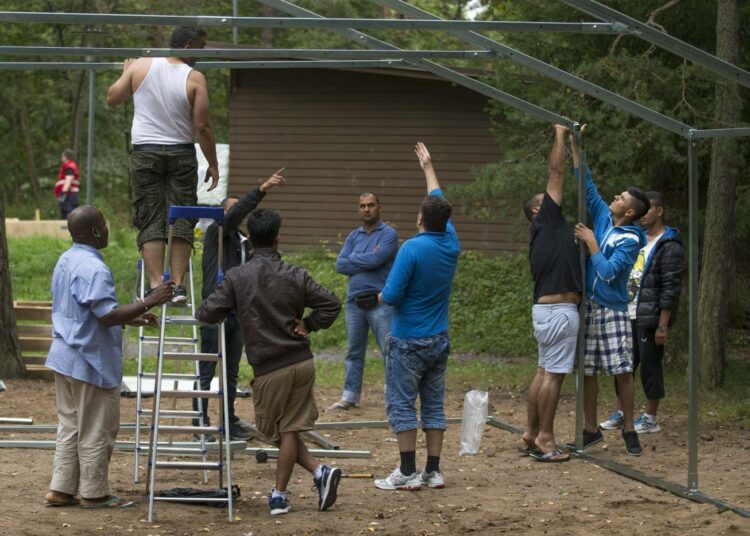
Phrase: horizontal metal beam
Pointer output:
(287, 22)
(247, 53)
(322, 453)
(353, 425)
(722, 132)
(443, 72)
(291, 64)
(551, 72)
(662, 40)
(17, 420)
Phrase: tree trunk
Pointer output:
(720, 204)
(11, 365)
(28, 142)
(266, 34)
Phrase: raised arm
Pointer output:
(122, 89)
(596, 206)
(621, 260)
(556, 165)
(425, 162)
(247, 204)
(204, 129)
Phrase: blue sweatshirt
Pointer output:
(367, 258)
(607, 271)
(419, 285)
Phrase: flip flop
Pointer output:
(70, 501)
(113, 502)
(556, 456)
(528, 451)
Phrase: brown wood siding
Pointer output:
(341, 133)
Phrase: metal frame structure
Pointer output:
(383, 54)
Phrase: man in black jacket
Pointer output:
(235, 253)
(654, 291)
(269, 298)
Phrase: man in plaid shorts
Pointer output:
(613, 247)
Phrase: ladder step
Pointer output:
(176, 451)
(172, 413)
(191, 499)
(183, 320)
(190, 394)
(171, 376)
(188, 429)
(201, 466)
(190, 356)
(182, 341)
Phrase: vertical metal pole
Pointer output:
(234, 28)
(90, 145)
(694, 349)
(582, 306)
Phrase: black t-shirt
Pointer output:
(553, 253)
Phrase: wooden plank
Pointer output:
(36, 330)
(33, 313)
(39, 372)
(36, 360)
(40, 303)
(34, 344)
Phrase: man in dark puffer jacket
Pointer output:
(654, 291)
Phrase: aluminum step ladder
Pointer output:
(157, 452)
(144, 342)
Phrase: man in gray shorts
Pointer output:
(170, 102)
(555, 267)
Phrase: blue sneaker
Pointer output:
(614, 422)
(645, 426)
(279, 505)
(327, 486)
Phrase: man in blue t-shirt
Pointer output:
(418, 288)
(366, 257)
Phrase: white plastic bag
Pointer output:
(475, 418)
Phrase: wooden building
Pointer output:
(341, 133)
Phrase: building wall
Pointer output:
(341, 133)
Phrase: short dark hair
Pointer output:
(377, 199)
(227, 198)
(638, 202)
(529, 205)
(70, 154)
(656, 199)
(436, 212)
(263, 227)
(186, 35)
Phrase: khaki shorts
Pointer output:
(284, 400)
(161, 176)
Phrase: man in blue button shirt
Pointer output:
(418, 288)
(86, 355)
(367, 257)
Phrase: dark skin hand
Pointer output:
(299, 328)
(135, 314)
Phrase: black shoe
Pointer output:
(589, 439)
(327, 486)
(632, 444)
(179, 295)
(238, 434)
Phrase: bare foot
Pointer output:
(58, 498)
(545, 444)
(529, 440)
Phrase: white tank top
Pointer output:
(163, 114)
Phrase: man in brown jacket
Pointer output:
(269, 298)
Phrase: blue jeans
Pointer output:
(416, 367)
(358, 324)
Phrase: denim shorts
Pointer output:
(556, 333)
(416, 367)
(161, 176)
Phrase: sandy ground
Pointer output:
(494, 492)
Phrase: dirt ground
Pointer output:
(494, 492)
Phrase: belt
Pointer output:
(166, 148)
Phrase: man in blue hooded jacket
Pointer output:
(613, 247)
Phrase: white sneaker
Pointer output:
(643, 426)
(433, 479)
(614, 422)
(397, 480)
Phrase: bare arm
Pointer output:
(425, 161)
(68, 181)
(556, 165)
(133, 312)
(122, 89)
(204, 129)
